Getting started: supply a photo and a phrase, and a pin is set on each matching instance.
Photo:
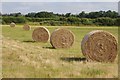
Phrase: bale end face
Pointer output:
(26, 27)
(99, 46)
(41, 34)
(12, 24)
(62, 38)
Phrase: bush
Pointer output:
(8, 20)
(63, 21)
(73, 20)
(104, 21)
(53, 23)
(117, 22)
(86, 21)
(41, 19)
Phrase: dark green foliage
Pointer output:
(9, 19)
(70, 21)
(67, 14)
(30, 15)
(86, 21)
(117, 22)
(82, 15)
(109, 13)
(45, 15)
(73, 20)
(0, 19)
(16, 14)
(104, 21)
(63, 19)
(102, 18)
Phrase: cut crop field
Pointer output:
(24, 58)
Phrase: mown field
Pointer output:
(24, 58)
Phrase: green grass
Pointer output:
(88, 72)
(24, 58)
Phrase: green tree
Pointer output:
(82, 14)
(67, 14)
(45, 15)
(30, 15)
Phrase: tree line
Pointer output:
(44, 14)
(104, 18)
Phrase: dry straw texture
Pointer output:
(41, 34)
(12, 24)
(62, 38)
(26, 27)
(99, 46)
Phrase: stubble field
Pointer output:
(24, 58)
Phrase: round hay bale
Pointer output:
(12, 24)
(99, 46)
(41, 34)
(26, 27)
(62, 38)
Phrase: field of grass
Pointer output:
(24, 58)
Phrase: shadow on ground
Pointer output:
(28, 41)
(48, 47)
(69, 59)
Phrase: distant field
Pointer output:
(24, 58)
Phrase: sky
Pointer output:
(119, 7)
(60, 0)
(58, 7)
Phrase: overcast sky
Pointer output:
(57, 7)
(60, 0)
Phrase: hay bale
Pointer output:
(12, 24)
(41, 34)
(26, 27)
(99, 46)
(62, 38)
